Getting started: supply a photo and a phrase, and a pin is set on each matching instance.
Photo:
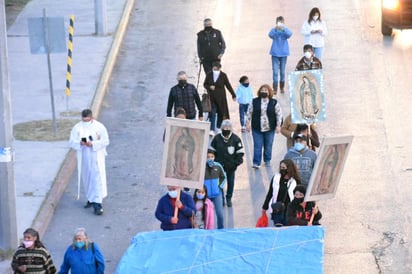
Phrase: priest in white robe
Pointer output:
(90, 139)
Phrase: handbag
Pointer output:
(262, 221)
(278, 210)
(206, 104)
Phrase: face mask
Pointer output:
(28, 244)
(182, 82)
(308, 55)
(210, 163)
(279, 24)
(79, 244)
(299, 200)
(200, 196)
(208, 28)
(299, 146)
(245, 85)
(172, 193)
(263, 95)
(315, 18)
(87, 123)
(225, 132)
(283, 172)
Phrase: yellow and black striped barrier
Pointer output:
(69, 56)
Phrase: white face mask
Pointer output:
(172, 193)
(315, 17)
(28, 244)
(308, 54)
(87, 123)
(279, 24)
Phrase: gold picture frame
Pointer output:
(328, 168)
(184, 154)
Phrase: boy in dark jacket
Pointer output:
(300, 212)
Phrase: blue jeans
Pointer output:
(218, 203)
(278, 67)
(242, 111)
(318, 52)
(230, 177)
(262, 140)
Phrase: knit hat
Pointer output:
(300, 188)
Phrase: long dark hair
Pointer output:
(312, 13)
(292, 170)
(203, 200)
(32, 232)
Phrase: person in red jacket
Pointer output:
(300, 212)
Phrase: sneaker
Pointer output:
(98, 211)
(212, 133)
(256, 166)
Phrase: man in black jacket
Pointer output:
(210, 45)
(229, 153)
(184, 95)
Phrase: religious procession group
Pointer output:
(260, 115)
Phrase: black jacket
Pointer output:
(210, 44)
(297, 215)
(229, 153)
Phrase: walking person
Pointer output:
(303, 157)
(82, 256)
(32, 256)
(210, 45)
(244, 96)
(300, 212)
(229, 153)
(216, 83)
(165, 210)
(289, 129)
(281, 191)
(279, 52)
(205, 211)
(314, 31)
(265, 119)
(184, 95)
(90, 139)
(215, 181)
(308, 61)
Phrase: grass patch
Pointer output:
(43, 130)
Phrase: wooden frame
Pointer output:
(307, 97)
(328, 168)
(184, 154)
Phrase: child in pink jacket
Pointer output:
(205, 213)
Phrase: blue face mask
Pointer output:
(79, 245)
(210, 163)
(200, 196)
(299, 146)
(173, 193)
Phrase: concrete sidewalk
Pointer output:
(43, 169)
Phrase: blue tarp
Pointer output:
(248, 250)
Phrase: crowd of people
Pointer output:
(263, 117)
(179, 209)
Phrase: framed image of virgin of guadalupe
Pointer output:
(185, 152)
(328, 168)
(307, 96)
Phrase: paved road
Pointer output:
(368, 224)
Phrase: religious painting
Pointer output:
(184, 154)
(328, 168)
(307, 96)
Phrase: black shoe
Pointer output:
(98, 211)
(229, 202)
(88, 205)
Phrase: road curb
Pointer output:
(48, 207)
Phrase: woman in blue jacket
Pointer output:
(280, 52)
(83, 256)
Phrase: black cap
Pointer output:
(300, 136)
